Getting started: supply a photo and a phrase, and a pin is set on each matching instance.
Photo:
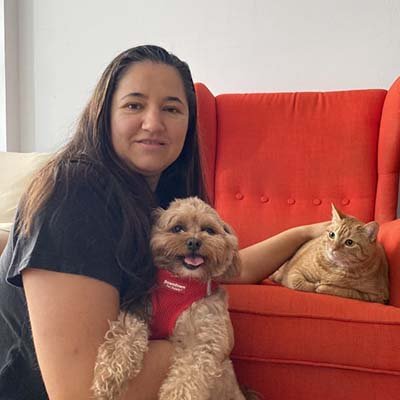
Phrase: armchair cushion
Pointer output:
(296, 345)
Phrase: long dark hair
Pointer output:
(92, 142)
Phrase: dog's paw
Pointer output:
(120, 357)
(181, 393)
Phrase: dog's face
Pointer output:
(190, 240)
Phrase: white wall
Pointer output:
(11, 69)
(231, 45)
(3, 114)
(55, 50)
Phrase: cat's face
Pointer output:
(349, 241)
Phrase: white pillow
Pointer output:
(6, 226)
(16, 171)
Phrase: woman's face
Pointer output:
(149, 118)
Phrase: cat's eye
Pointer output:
(331, 235)
(209, 230)
(177, 229)
(349, 243)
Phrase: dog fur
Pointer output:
(203, 333)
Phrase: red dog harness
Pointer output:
(171, 297)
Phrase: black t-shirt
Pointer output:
(80, 238)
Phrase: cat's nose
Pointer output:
(193, 244)
(335, 247)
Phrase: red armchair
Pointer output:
(277, 160)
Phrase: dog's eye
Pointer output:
(209, 230)
(177, 229)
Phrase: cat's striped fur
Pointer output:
(345, 261)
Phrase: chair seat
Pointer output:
(287, 330)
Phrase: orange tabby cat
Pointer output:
(345, 261)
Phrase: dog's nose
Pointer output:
(193, 244)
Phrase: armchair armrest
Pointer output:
(389, 237)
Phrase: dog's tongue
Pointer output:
(195, 261)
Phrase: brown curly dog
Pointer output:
(193, 250)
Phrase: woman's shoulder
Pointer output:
(83, 175)
(83, 169)
(81, 181)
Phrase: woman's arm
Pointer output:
(262, 259)
(69, 316)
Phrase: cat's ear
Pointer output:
(371, 229)
(336, 214)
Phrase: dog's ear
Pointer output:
(228, 229)
(236, 263)
(156, 214)
(234, 267)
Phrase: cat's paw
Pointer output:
(316, 285)
(322, 288)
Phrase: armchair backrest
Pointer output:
(276, 160)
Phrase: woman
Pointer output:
(79, 247)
